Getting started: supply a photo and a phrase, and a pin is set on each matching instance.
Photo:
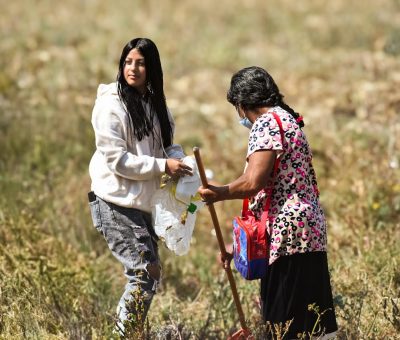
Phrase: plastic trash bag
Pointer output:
(187, 186)
(174, 209)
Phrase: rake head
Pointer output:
(241, 334)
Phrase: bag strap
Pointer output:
(245, 206)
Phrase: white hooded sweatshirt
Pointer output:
(125, 171)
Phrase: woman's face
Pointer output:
(135, 70)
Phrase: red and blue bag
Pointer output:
(250, 239)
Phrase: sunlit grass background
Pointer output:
(337, 62)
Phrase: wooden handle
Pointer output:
(211, 208)
(220, 239)
(200, 167)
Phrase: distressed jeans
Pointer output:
(131, 239)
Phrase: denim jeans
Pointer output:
(131, 239)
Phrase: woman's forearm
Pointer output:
(254, 179)
(243, 187)
(240, 188)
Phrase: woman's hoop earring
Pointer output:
(150, 88)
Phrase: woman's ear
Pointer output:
(245, 112)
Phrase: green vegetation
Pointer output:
(337, 63)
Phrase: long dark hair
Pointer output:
(253, 87)
(131, 98)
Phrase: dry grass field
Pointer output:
(338, 63)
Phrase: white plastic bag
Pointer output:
(174, 209)
(187, 186)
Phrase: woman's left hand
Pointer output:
(225, 261)
(176, 168)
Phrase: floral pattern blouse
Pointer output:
(296, 221)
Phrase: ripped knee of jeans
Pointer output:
(154, 271)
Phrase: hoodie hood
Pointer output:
(107, 90)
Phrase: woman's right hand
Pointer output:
(176, 168)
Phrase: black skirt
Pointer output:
(292, 284)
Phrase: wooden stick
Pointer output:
(220, 239)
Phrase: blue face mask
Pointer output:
(246, 122)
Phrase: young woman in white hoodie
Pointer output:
(134, 132)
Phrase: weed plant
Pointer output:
(337, 63)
